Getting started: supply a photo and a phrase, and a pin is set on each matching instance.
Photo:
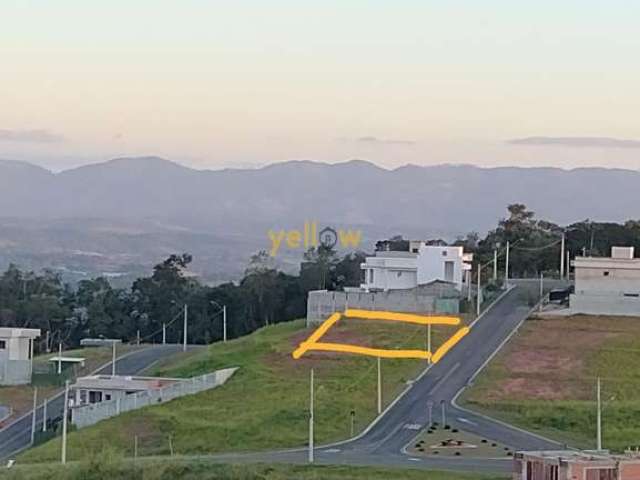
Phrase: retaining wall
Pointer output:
(439, 297)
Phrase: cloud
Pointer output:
(384, 141)
(30, 136)
(599, 142)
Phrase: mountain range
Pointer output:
(142, 208)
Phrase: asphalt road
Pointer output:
(17, 435)
(383, 443)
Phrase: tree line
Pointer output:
(94, 308)
(265, 295)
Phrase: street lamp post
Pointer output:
(222, 308)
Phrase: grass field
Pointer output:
(264, 405)
(545, 380)
(105, 467)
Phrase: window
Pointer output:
(602, 474)
(399, 274)
(3, 344)
(107, 396)
(95, 396)
(634, 295)
(414, 250)
(606, 274)
(444, 253)
(371, 276)
(83, 397)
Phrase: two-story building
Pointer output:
(607, 285)
(422, 264)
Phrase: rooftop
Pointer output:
(582, 456)
(117, 382)
(6, 332)
(67, 359)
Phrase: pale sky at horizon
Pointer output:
(246, 83)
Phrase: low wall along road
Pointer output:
(91, 414)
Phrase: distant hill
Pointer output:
(237, 207)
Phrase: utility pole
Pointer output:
(224, 323)
(479, 296)
(562, 257)
(468, 285)
(506, 268)
(164, 333)
(186, 315)
(60, 358)
(495, 265)
(429, 342)
(429, 413)
(541, 290)
(33, 416)
(379, 386)
(311, 418)
(44, 415)
(599, 417)
(63, 456)
(113, 358)
(46, 342)
(568, 265)
(444, 413)
(352, 414)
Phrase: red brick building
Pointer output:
(575, 465)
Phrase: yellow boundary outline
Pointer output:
(313, 342)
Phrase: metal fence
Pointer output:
(91, 414)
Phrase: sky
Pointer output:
(245, 83)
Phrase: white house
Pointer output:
(102, 388)
(422, 264)
(16, 355)
(607, 285)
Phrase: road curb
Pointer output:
(454, 400)
(375, 421)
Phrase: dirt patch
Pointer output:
(548, 360)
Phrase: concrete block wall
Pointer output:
(605, 305)
(15, 372)
(322, 303)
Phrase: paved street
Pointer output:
(383, 444)
(17, 436)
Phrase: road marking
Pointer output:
(413, 459)
(464, 420)
(332, 450)
(444, 378)
(412, 426)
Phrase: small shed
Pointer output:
(16, 355)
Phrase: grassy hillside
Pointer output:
(545, 380)
(264, 406)
(105, 467)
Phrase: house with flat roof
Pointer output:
(102, 388)
(16, 355)
(421, 264)
(575, 465)
(607, 285)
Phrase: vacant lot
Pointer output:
(264, 405)
(545, 380)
